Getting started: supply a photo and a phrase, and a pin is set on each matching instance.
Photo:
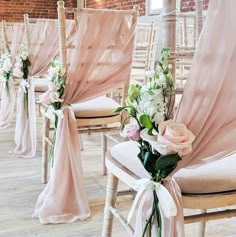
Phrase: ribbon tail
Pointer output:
(144, 185)
(166, 202)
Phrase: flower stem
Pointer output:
(149, 221)
(158, 214)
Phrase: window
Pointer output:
(154, 7)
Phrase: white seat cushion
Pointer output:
(99, 107)
(40, 85)
(215, 177)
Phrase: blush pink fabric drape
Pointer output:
(100, 61)
(42, 49)
(7, 104)
(25, 133)
(208, 107)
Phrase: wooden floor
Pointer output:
(20, 186)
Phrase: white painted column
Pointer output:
(62, 34)
(81, 4)
(169, 30)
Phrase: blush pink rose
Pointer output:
(45, 98)
(172, 138)
(131, 131)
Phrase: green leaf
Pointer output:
(131, 111)
(122, 126)
(167, 161)
(119, 109)
(134, 91)
(146, 122)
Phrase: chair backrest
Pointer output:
(4, 44)
(144, 50)
(107, 55)
(188, 30)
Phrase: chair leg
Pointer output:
(202, 225)
(104, 151)
(46, 125)
(111, 195)
(81, 142)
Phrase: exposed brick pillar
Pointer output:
(189, 5)
(13, 10)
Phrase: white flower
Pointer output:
(1, 71)
(162, 80)
(151, 103)
(7, 65)
(150, 74)
(55, 97)
(53, 87)
(53, 72)
(17, 72)
(2, 78)
(24, 55)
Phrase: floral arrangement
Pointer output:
(53, 98)
(5, 70)
(21, 70)
(161, 141)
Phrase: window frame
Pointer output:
(155, 11)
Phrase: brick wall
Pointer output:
(117, 4)
(13, 10)
(189, 5)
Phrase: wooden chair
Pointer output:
(96, 115)
(144, 51)
(217, 189)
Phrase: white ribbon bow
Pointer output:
(24, 85)
(166, 202)
(51, 111)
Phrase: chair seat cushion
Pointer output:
(95, 108)
(40, 85)
(215, 177)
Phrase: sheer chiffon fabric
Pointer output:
(8, 100)
(43, 47)
(25, 133)
(100, 61)
(208, 105)
(7, 104)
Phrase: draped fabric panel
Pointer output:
(208, 107)
(7, 105)
(42, 49)
(25, 133)
(44, 46)
(100, 61)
